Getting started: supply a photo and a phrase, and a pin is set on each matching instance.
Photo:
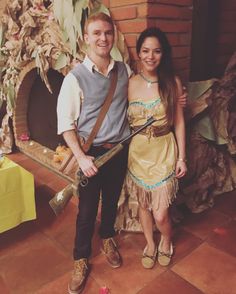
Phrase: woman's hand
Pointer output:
(180, 169)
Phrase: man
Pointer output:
(89, 82)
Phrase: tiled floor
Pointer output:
(35, 257)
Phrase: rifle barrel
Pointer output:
(99, 161)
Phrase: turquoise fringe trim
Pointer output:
(147, 105)
(150, 187)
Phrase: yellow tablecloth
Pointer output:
(17, 202)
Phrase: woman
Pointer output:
(156, 156)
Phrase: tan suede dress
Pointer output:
(152, 156)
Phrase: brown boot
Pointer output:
(79, 276)
(111, 252)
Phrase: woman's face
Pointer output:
(150, 54)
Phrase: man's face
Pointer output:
(100, 38)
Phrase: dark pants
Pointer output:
(108, 182)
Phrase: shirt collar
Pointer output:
(91, 66)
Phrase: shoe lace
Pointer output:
(161, 253)
(109, 245)
(80, 267)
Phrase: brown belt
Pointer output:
(105, 145)
(153, 131)
(108, 145)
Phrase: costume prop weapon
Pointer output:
(61, 199)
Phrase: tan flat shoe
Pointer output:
(164, 258)
(148, 261)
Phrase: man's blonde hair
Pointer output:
(98, 16)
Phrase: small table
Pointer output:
(17, 201)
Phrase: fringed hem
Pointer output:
(160, 197)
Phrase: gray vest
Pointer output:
(95, 87)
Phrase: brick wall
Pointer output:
(173, 17)
(226, 37)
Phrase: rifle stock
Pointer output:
(61, 199)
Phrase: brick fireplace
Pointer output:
(34, 119)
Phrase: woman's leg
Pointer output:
(146, 221)
(163, 223)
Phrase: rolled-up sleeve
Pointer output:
(68, 104)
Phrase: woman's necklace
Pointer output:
(149, 83)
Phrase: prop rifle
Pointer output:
(61, 199)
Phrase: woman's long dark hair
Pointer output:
(165, 71)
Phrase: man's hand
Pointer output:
(182, 100)
(87, 165)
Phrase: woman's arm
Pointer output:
(179, 126)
